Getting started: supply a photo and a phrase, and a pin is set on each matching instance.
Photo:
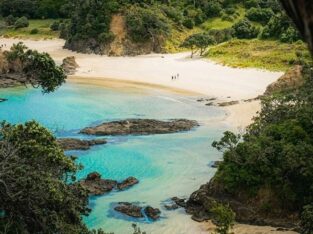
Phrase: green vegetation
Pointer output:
(264, 54)
(199, 41)
(39, 68)
(43, 27)
(35, 197)
(223, 218)
(274, 155)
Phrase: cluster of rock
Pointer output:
(202, 201)
(140, 127)
(136, 211)
(96, 186)
(77, 144)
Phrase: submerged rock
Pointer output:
(98, 186)
(179, 201)
(152, 213)
(136, 211)
(127, 183)
(77, 144)
(3, 99)
(129, 209)
(171, 206)
(231, 103)
(140, 127)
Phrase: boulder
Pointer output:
(140, 127)
(69, 65)
(152, 213)
(171, 206)
(127, 183)
(97, 186)
(137, 211)
(179, 201)
(77, 144)
(129, 209)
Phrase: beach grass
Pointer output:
(42, 25)
(263, 54)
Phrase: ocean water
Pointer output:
(166, 165)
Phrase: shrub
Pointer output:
(245, 29)
(290, 35)
(55, 26)
(10, 20)
(306, 223)
(34, 31)
(221, 35)
(259, 15)
(189, 23)
(223, 218)
(213, 8)
(251, 3)
(21, 22)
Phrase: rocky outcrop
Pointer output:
(95, 185)
(140, 127)
(200, 203)
(8, 80)
(290, 80)
(230, 103)
(125, 184)
(69, 65)
(129, 209)
(136, 211)
(77, 144)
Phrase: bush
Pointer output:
(189, 23)
(21, 22)
(245, 29)
(290, 35)
(259, 15)
(223, 218)
(221, 35)
(251, 3)
(55, 26)
(306, 223)
(10, 20)
(34, 31)
(213, 8)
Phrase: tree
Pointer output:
(39, 68)
(199, 41)
(36, 193)
(307, 220)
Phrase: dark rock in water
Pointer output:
(216, 164)
(136, 211)
(140, 127)
(152, 213)
(130, 181)
(209, 104)
(171, 206)
(77, 144)
(179, 201)
(97, 186)
(222, 104)
(129, 209)
(3, 99)
(69, 65)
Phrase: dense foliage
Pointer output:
(223, 218)
(275, 154)
(199, 41)
(34, 194)
(39, 68)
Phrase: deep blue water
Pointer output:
(166, 165)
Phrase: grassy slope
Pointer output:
(264, 54)
(24, 33)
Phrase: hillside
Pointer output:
(119, 28)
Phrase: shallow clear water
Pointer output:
(166, 165)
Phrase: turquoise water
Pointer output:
(166, 165)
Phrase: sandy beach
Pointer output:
(196, 77)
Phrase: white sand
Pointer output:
(196, 76)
